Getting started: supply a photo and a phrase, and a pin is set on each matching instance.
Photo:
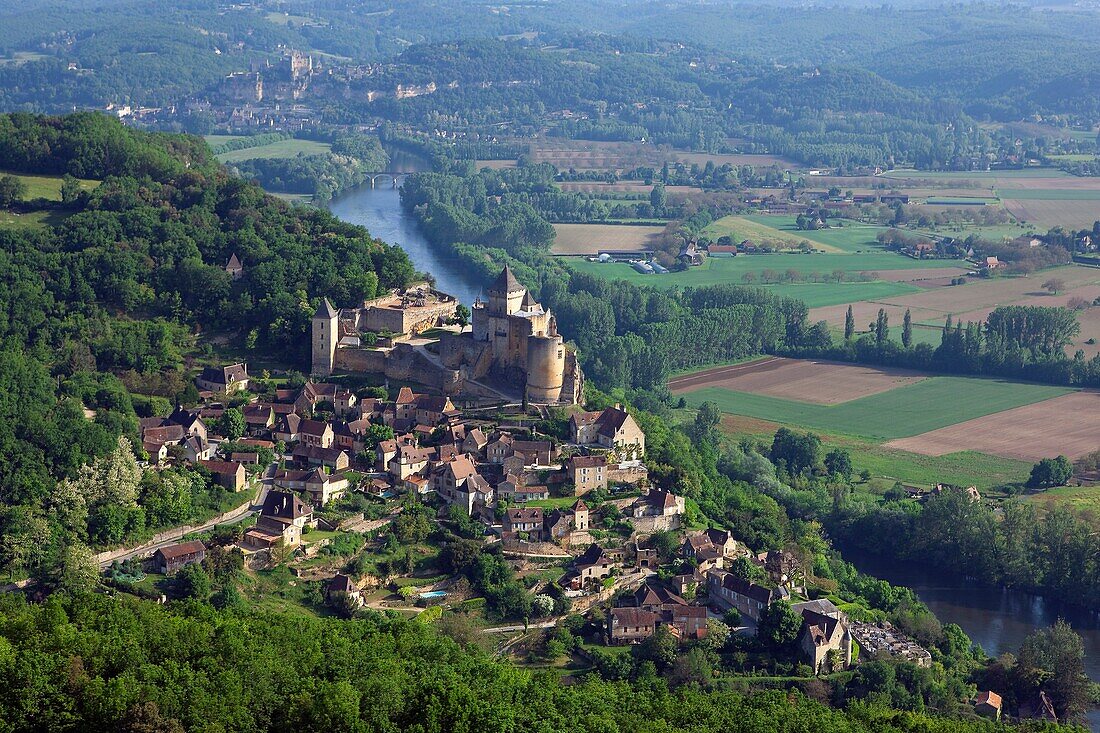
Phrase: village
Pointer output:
(352, 485)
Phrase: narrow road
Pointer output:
(172, 536)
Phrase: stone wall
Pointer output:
(361, 360)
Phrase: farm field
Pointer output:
(1072, 213)
(849, 238)
(1065, 425)
(806, 380)
(587, 239)
(622, 187)
(977, 298)
(888, 465)
(731, 269)
(494, 164)
(740, 228)
(281, 149)
(930, 404)
(47, 187)
(906, 173)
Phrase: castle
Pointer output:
(513, 348)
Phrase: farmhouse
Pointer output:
(612, 428)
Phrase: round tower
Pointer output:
(545, 368)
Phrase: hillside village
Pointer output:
(562, 494)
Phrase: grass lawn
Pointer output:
(281, 149)
(889, 465)
(932, 403)
(46, 187)
(41, 218)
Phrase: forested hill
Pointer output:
(97, 663)
(147, 248)
(115, 288)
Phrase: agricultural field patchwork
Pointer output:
(973, 301)
(902, 411)
(1068, 425)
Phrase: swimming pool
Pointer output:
(433, 594)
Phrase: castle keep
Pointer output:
(512, 350)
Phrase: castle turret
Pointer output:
(545, 368)
(326, 333)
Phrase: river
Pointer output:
(996, 619)
(379, 210)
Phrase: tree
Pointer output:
(462, 315)
(231, 424)
(70, 190)
(1052, 659)
(193, 582)
(882, 328)
(799, 452)
(660, 648)
(838, 462)
(849, 324)
(907, 330)
(12, 190)
(658, 199)
(542, 606)
(1054, 285)
(779, 627)
(79, 569)
(1050, 472)
(718, 633)
(746, 569)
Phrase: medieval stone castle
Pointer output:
(512, 350)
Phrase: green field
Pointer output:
(848, 237)
(960, 201)
(964, 175)
(716, 270)
(213, 140)
(1078, 498)
(818, 295)
(888, 465)
(46, 187)
(740, 228)
(917, 408)
(282, 149)
(1049, 194)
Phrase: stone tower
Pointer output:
(326, 333)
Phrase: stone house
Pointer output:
(169, 559)
(730, 591)
(587, 473)
(228, 474)
(316, 433)
(612, 428)
(281, 521)
(341, 586)
(227, 379)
